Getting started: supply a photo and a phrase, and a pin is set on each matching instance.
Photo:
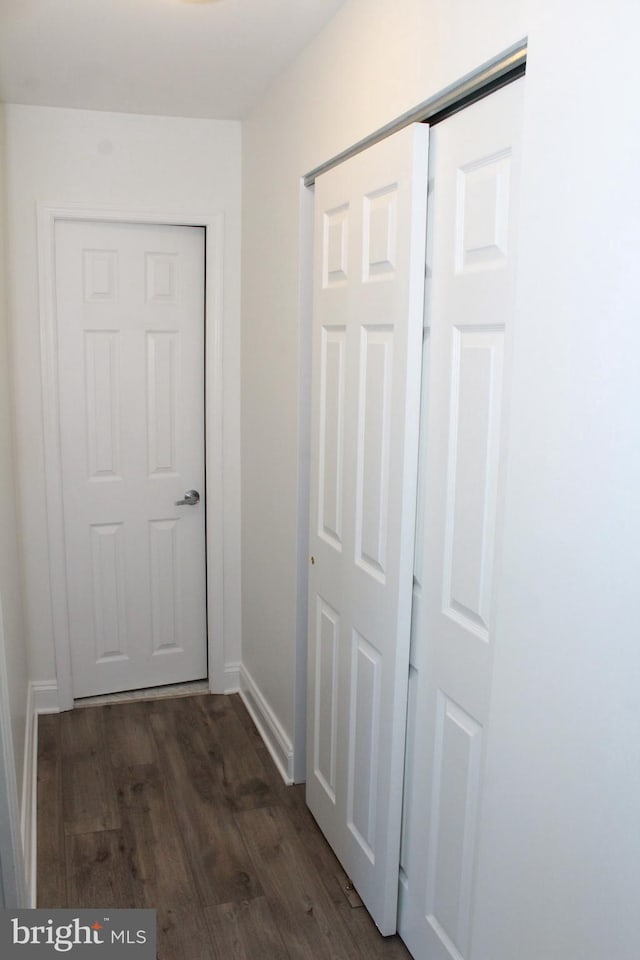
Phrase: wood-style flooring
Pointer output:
(177, 805)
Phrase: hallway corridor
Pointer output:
(176, 804)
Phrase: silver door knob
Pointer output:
(191, 497)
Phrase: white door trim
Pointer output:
(48, 213)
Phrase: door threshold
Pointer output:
(190, 689)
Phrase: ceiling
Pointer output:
(191, 58)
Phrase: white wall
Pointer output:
(560, 838)
(375, 60)
(13, 650)
(126, 162)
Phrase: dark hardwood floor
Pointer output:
(177, 805)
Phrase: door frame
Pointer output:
(48, 214)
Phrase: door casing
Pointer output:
(47, 215)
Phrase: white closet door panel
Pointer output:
(368, 309)
(471, 264)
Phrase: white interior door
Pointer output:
(474, 163)
(130, 317)
(370, 223)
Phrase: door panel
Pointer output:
(368, 308)
(130, 306)
(471, 264)
(332, 366)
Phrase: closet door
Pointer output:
(471, 263)
(370, 225)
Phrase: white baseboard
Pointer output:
(269, 727)
(45, 696)
(232, 678)
(42, 697)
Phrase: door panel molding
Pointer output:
(48, 213)
(469, 320)
(367, 328)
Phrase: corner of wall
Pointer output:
(269, 727)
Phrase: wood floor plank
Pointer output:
(51, 886)
(245, 931)
(128, 733)
(88, 793)
(310, 923)
(99, 871)
(240, 771)
(184, 935)
(160, 873)
(217, 853)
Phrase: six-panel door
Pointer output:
(130, 322)
(368, 307)
(471, 262)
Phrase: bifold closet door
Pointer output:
(370, 227)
